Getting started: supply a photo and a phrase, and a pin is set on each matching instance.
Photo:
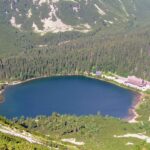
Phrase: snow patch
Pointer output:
(73, 141)
(41, 46)
(29, 14)
(123, 8)
(14, 24)
(35, 28)
(71, 1)
(138, 136)
(76, 8)
(100, 11)
(129, 143)
(110, 22)
(55, 26)
(86, 2)
(17, 10)
(58, 26)
(40, 2)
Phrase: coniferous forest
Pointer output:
(126, 53)
(81, 38)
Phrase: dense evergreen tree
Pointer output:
(122, 53)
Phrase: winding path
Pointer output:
(24, 135)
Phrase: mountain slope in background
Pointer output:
(43, 16)
(48, 37)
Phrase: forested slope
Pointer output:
(40, 38)
(124, 53)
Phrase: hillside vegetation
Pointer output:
(117, 38)
(51, 37)
(124, 54)
(95, 132)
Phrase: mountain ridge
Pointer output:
(44, 16)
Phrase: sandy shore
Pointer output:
(1, 96)
(133, 115)
(3, 89)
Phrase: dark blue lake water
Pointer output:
(66, 95)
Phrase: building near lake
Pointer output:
(136, 81)
(98, 73)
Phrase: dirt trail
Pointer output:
(29, 137)
(138, 136)
(24, 135)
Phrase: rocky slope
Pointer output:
(43, 16)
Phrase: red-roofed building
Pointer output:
(136, 81)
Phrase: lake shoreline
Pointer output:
(131, 118)
(133, 115)
(1, 96)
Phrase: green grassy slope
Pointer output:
(95, 131)
(8, 142)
